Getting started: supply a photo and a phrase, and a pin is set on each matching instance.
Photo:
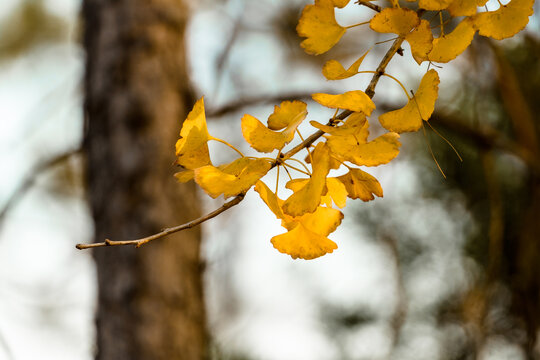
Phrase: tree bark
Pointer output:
(150, 299)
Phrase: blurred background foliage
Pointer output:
(441, 268)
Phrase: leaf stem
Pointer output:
(301, 163)
(295, 168)
(226, 143)
(391, 77)
(277, 181)
(447, 141)
(355, 25)
(302, 138)
(431, 151)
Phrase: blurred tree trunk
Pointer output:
(150, 299)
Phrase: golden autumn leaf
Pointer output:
(262, 138)
(421, 41)
(333, 70)
(323, 221)
(465, 7)
(308, 198)
(398, 21)
(310, 241)
(434, 4)
(361, 185)
(270, 199)
(449, 46)
(506, 21)
(192, 147)
(337, 192)
(185, 175)
(286, 113)
(318, 24)
(341, 3)
(379, 151)
(355, 100)
(420, 107)
(234, 168)
(296, 184)
(303, 243)
(306, 236)
(334, 162)
(232, 179)
(356, 124)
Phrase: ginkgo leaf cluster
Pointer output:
(319, 27)
(330, 169)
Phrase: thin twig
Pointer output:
(370, 91)
(373, 7)
(138, 242)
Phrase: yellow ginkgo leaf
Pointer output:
(323, 221)
(376, 152)
(449, 46)
(262, 138)
(505, 22)
(341, 3)
(395, 20)
(192, 147)
(356, 101)
(333, 70)
(361, 185)
(302, 243)
(421, 41)
(318, 24)
(334, 163)
(296, 184)
(185, 175)
(271, 200)
(306, 236)
(465, 7)
(420, 107)
(337, 192)
(434, 4)
(238, 177)
(233, 168)
(356, 124)
(286, 113)
(308, 198)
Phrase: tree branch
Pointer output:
(373, 7)
(168, 231)
(370, 91)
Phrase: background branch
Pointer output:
(31, 178)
